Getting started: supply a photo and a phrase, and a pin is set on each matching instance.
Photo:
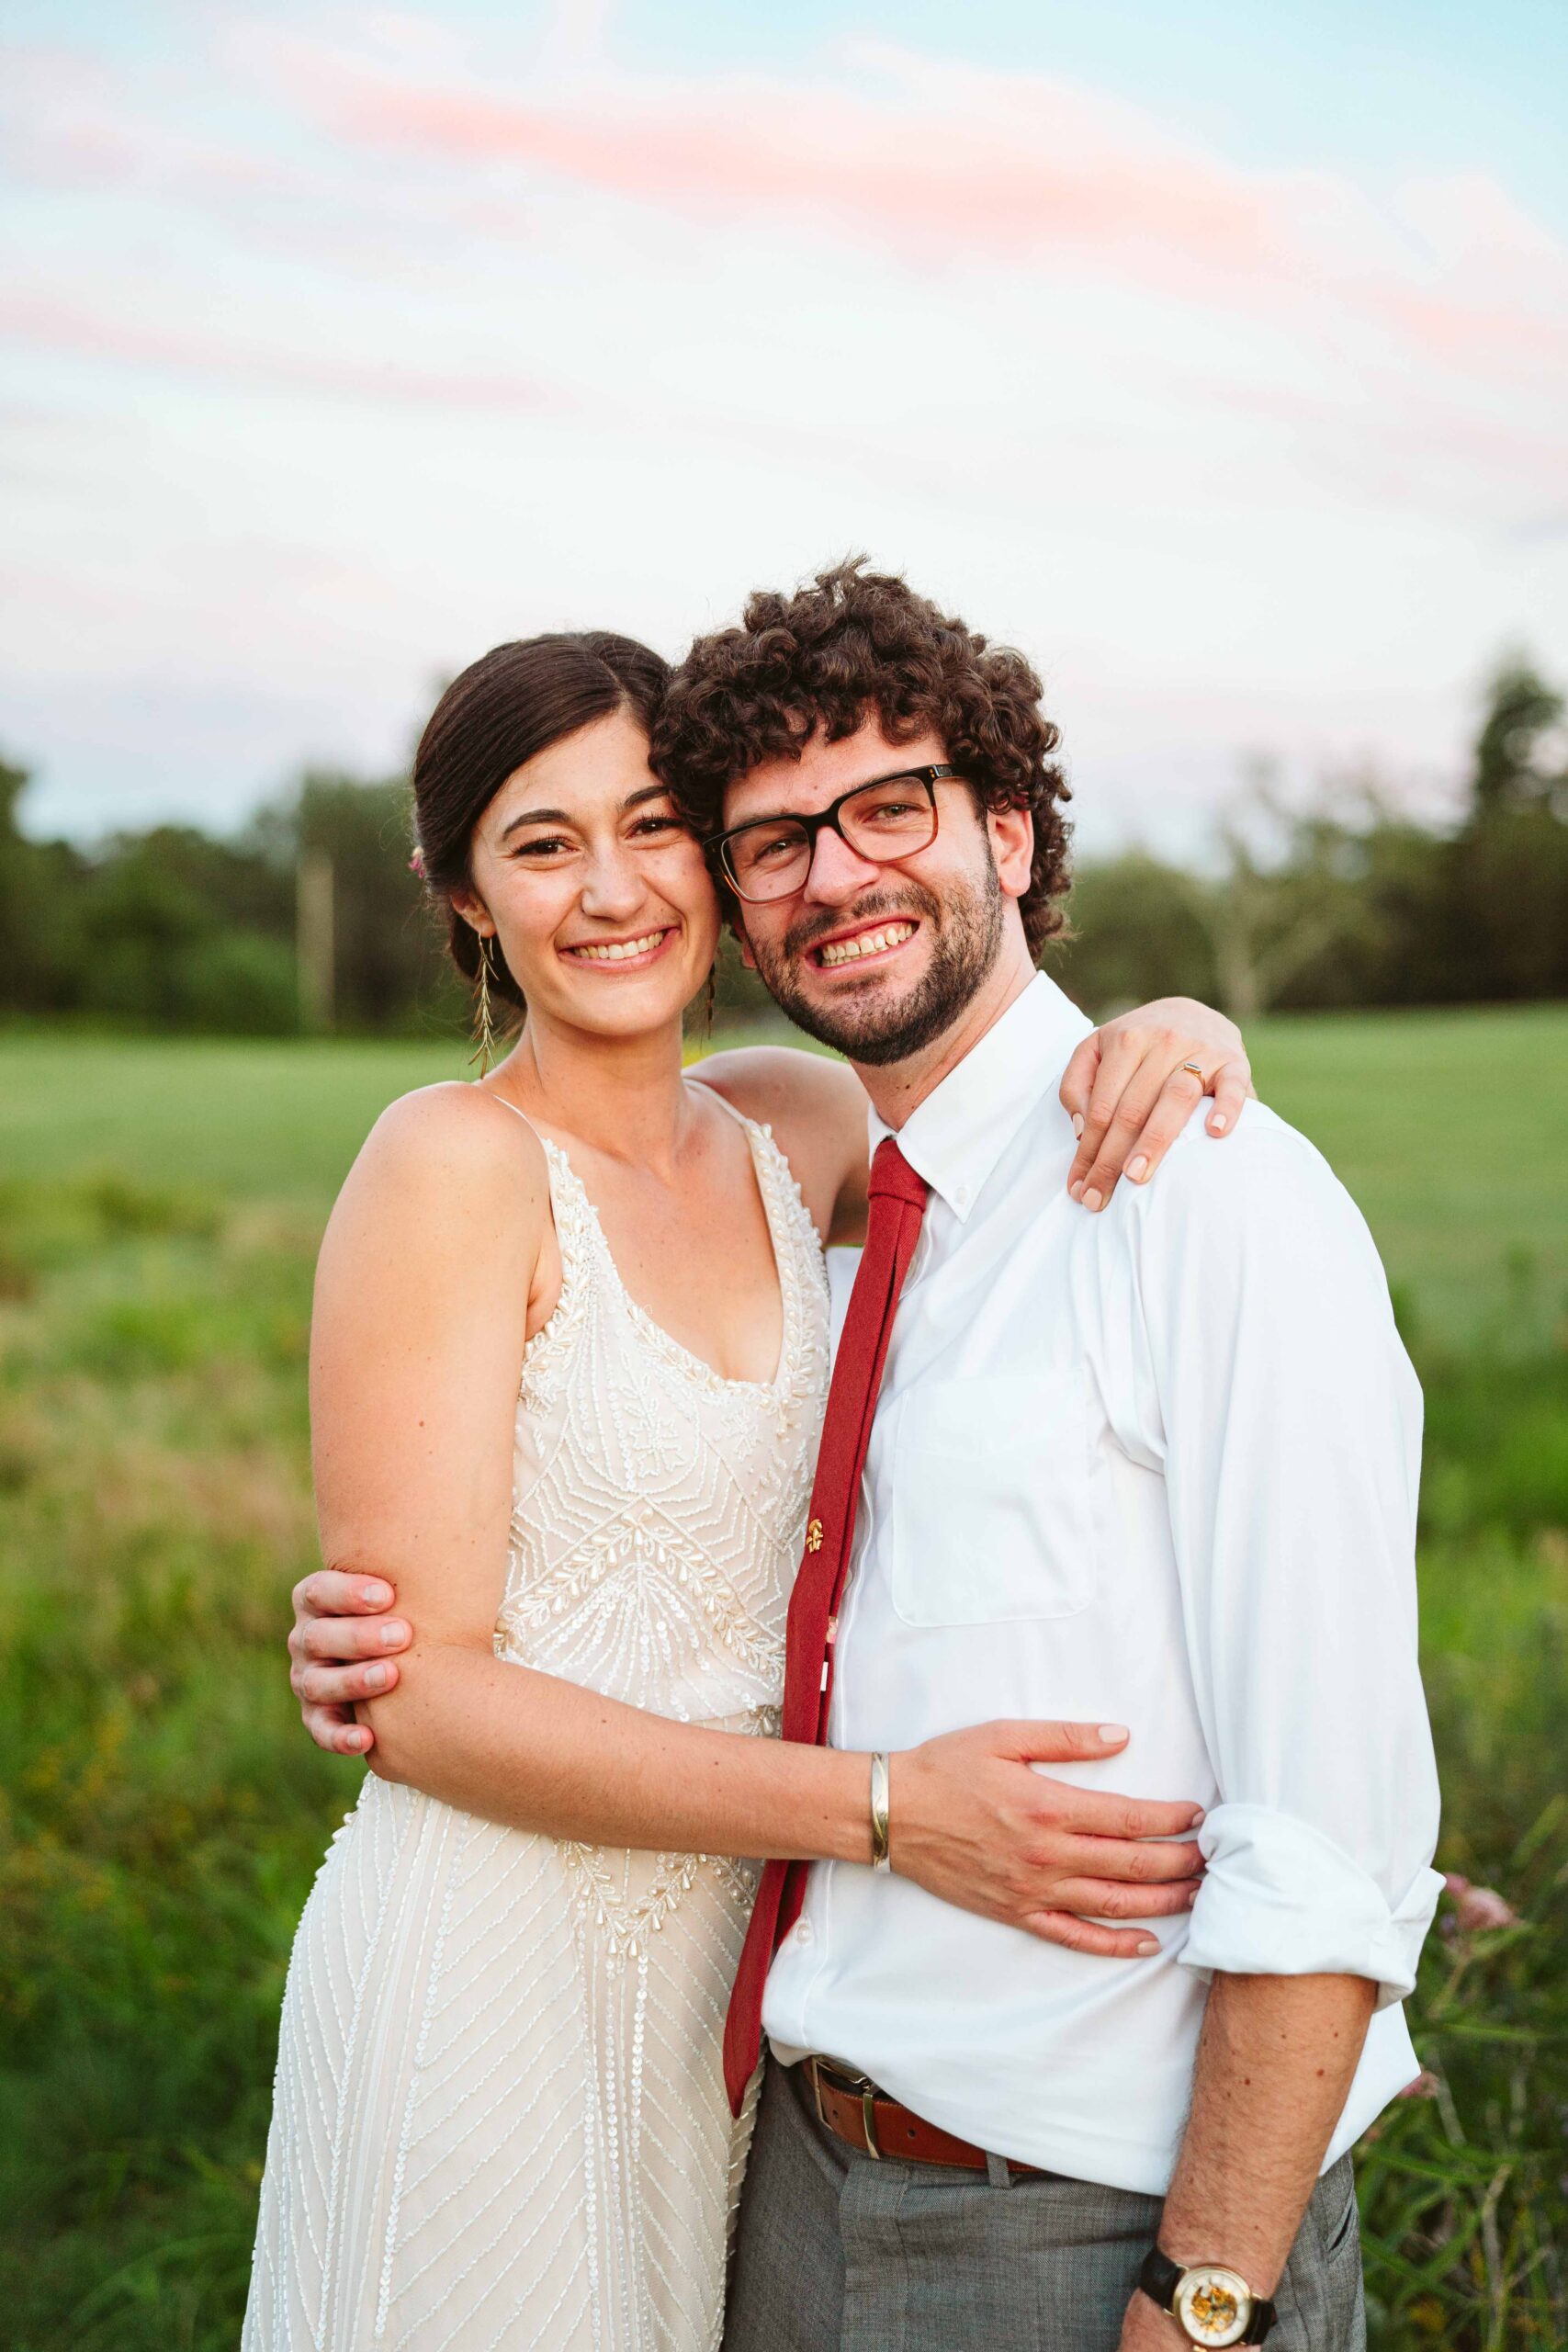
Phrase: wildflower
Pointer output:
(1479, 1907)
(1424, 2086)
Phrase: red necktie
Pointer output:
(893, 1228)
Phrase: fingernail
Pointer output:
(378, 1677)
(1138, 1169)
(1078, 1122)
(1218, 1124)
(393, 1632)
(1147, 1947)
(1192, 1898)
(1091, 1201)
(1113, 1731)
(376, 1596)
(1074, 1192)
(357, 1740)
(1197, 1820)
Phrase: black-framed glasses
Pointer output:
(890, 818)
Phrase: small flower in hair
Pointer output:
(416, 863)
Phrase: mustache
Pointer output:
(912, 899)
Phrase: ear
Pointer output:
(1011, 832)
(475, 912)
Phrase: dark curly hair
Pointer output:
(852, 643)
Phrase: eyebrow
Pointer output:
(564, 816)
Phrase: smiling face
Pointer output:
(596, 893)
(879, 961)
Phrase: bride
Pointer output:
(569, 1365)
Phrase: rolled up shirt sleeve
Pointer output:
(1288, 1425)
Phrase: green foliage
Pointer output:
(162, 1815)
(1516, 759)
(389, 967)
(1345, 903)
(1138, 931)
(1348, 902)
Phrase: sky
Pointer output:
(1217, 355)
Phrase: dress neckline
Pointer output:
(768, 1166)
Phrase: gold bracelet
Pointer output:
(880, 1825)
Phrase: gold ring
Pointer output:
(1196, 1069)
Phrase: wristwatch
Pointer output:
(1209, 2303)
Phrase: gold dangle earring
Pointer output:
(484, 1023)
(711, 999)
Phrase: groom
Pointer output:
(1156, 1466)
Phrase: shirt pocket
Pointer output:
(993, 1502)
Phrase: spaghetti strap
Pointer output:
(713, 1095)
(527, 1122)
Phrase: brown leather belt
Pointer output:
(855, 2110)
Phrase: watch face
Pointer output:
(1213, 2306)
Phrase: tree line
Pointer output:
(309, 917)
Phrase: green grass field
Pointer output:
(160, 1813)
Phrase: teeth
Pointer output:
(616, 951)
(844, 951)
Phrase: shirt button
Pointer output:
(962, 1196)
(803, 1932)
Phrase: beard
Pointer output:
(875, 1025)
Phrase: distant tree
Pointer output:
(1510, 896)
(390, 973)
(172, 930)
(1343, 901)
(40, 948)
(1135, 931)
(1520, 756)
(1396, 948)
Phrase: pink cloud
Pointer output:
(1409, 350)
(930, 184)
(44, 324)
(945, 166)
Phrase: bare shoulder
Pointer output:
(784, 1084)
(815, 1107)
(447, 1165)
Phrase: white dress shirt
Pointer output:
(1155, 1467)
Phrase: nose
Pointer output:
(613, 887)
(838, 872)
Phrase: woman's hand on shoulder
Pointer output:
(1131, 1088)
(816, 1107)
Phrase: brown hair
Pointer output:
(511, 703)
(851, 643)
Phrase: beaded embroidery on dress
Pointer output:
(500, 2117)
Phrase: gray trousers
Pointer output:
(837, 2252)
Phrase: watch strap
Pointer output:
(1159, 2278)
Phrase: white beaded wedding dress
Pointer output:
(499, 2119)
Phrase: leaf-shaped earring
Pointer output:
(484, 1021)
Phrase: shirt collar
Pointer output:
(956, 1136)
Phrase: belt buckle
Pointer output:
(862, 2086)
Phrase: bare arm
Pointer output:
(1127, 1087)
(423, 1307)
(972, 1823)
(1274, 2069)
